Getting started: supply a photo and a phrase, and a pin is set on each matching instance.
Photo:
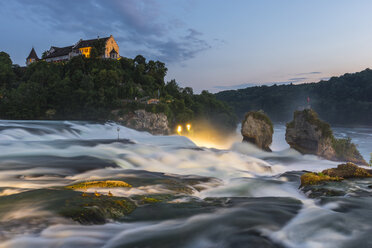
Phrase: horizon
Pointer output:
(253, 44)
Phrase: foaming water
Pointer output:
(237, 194)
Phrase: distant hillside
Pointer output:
(341, 100)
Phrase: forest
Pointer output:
(90, 88)
(344, 100)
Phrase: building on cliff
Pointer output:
(82, 47)
(32, 57)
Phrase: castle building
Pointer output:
(32, 57)
(82, 47)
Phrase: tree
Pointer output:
(7, 75)
(98, 49)
(140, 60)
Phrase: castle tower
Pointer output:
(32, 57)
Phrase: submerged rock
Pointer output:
(309, 135)
(257, 128)
(154, 123)
(85, 209)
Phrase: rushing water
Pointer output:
(244, 197)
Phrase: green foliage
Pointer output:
(312, 117)
(98, 49)
(7, 75)
(340, 100)
(90, 88)
(370, 160)
(345, 149)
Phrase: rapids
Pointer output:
(234, 197)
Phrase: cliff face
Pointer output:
(142, 120)
(309, 135)
(258, 129)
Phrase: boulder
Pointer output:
(309, 135)
(258, 129)
(141, 120)
(343, 171)
(312, 178)
(348, 170)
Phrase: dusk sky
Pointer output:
(206, 44)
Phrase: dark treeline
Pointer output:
(341, 100)
(90, 88)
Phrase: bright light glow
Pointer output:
(205, 134)
(188, 127)
(179, 129)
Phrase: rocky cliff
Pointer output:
(309, 135)
(154, 123)
(258, 129)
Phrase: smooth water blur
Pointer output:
(262, 204)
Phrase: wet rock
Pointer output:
(348, 170)
(316, 178)
(154, 123)
(71, 204)
(309, 135)
(315, 192)
(343, 171)
(99, 184)
(257, 128)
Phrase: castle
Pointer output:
(82, 47)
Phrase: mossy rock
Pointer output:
(348, 170)
(312, 117)
(312, 178)
(99, 184)
(96, 210)
(310, 135)
(260, 115)
(71, 204)
(347, 151)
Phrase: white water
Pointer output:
(244, 171)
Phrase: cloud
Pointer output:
(297, 79)
(235, 87)
(308, 73)
(140, 26)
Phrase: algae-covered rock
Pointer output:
(312, 178)
(310, 135)
(343, 171)
(71, 204)
(348, 170)
(99, 184)
(257, 128)
(96, 210)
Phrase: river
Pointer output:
(237, 196)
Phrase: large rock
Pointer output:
(258, 129)
(154, 123)
(343, 171)
(309, 135)
(348, 170)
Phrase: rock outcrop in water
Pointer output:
(141, 120)
(348, 170)
(309, 135)
(258, 129)
(343, 171)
